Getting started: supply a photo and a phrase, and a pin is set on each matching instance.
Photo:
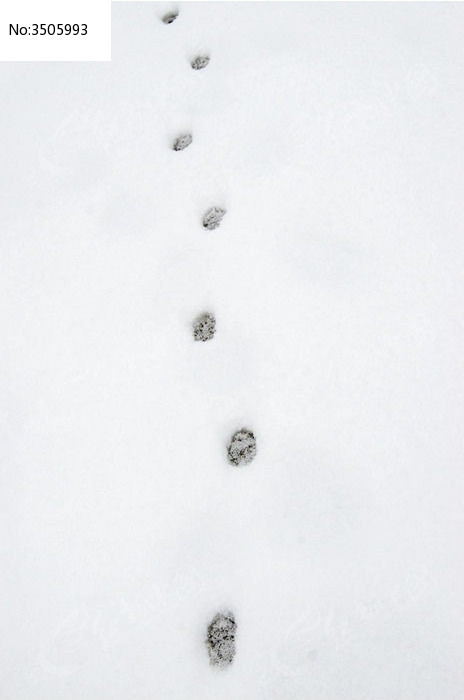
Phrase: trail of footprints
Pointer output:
(220, 637)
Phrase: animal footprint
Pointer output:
(199, 62)
(204, 327)
(242, 448)
(170, 17)
(182, 142)
(221, 639)
(213, 217)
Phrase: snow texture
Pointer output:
(204, 327)
(221, 639)
(242, 447)
(213, 217)
(200, 62)
(333, 134)
(182, 142)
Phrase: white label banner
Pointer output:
(55, 30)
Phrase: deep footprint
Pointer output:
(221, 639)
(213, 217)
(242, 448)
(204, 327)
(200, 62)
(182, 142)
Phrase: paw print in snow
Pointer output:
(182, 142)
(213, 217)
(200, 62)
(242, 447)
(170, 17)
(221, 639)
(204, 327)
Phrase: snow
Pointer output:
(332, 135)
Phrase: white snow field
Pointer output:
(332, 135)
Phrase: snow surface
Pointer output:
(333, 136)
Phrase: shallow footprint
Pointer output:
(242, 447)
(182, 142)
(221, 639)
(213, 217)
(170, 17)
(204, 327)
(200, 62)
